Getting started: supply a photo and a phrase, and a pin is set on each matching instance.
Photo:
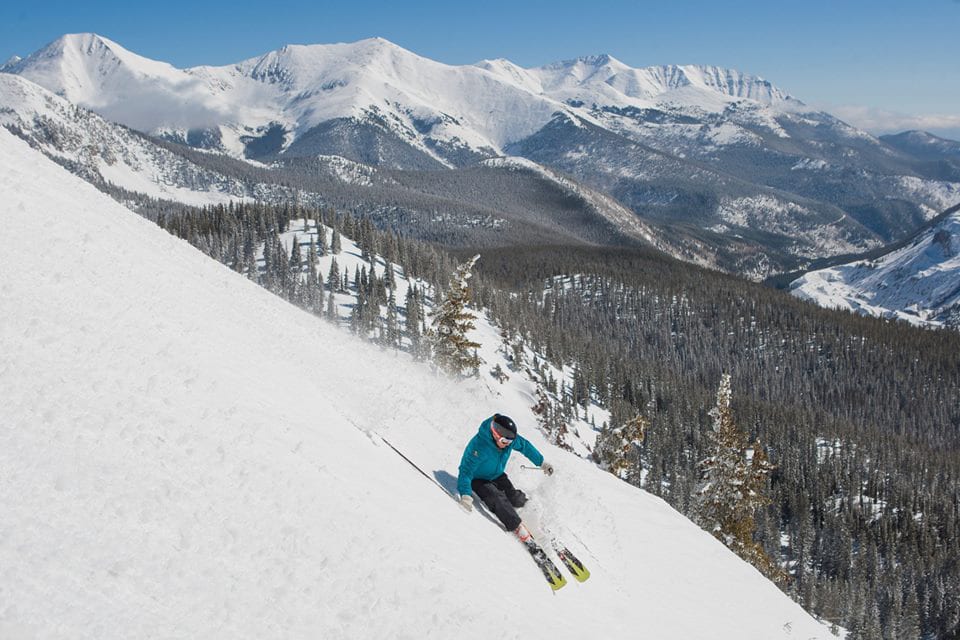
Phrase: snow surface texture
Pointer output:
(184, 455)
(919, 283)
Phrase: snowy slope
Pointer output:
(102, 151)
(99, 74)
(919, 283)
(184, 455)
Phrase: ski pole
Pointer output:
(526, 468)
(415, 466)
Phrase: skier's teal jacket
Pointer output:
(484, 460)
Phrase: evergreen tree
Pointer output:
(333, 277)
(734, 485)
(312, 260)
(296, 260)
(322, 245)
(268, 268)
(618, 448)
(359, 312)
(392, 325)
(252, 269)
(453, 351)
(332, 307)
(412, 324)
(249, 247)
(552, 418)
(389, 277)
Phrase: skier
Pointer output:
(482, 471)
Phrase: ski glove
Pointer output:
(547, 468)
(466, 502)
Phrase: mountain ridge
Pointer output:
(294, 67)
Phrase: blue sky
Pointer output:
(880, 64)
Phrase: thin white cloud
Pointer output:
(158, 102)
(882, 121)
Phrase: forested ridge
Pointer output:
(861, 416)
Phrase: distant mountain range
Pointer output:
(448, 115)
(709, 164)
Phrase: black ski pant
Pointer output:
(502, 498)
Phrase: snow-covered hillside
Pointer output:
(919, 283)
(102, 151)
(185, 455)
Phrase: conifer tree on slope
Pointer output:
(453, 351)
(412, 324)
(618, 448)
(734, 486)
(335, 247)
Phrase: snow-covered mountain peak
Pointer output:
(584, 71)
(605, 81)
(736, 84)
(589, 74)
(87, 43)
(99, 74)
(923, 137)
(925, 145)
(82, 65)
(305, 61)
(596, 61)
(511, 73)
(10, 63)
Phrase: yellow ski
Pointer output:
(570, 561)
(553, 576)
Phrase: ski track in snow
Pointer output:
(184, 455)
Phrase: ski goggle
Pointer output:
(503, 441)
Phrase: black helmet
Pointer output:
(505, 426)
